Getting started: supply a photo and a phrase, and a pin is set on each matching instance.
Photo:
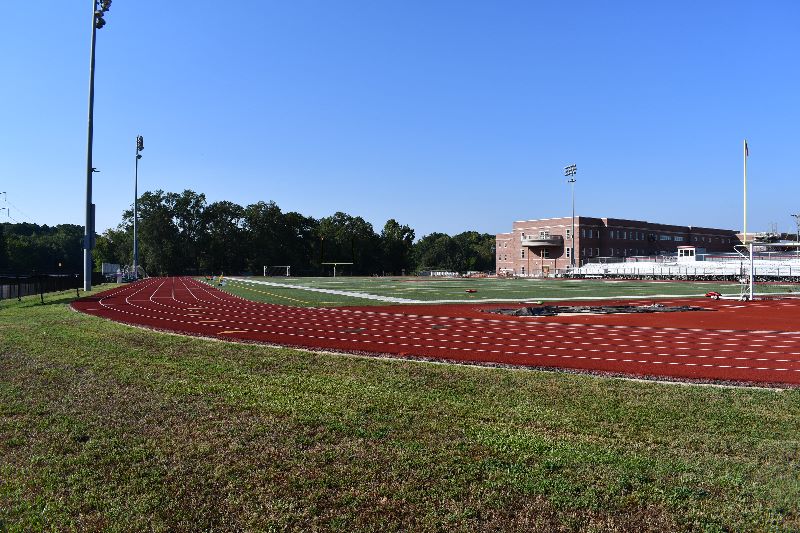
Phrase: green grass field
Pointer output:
(488, 289)
(108, 427)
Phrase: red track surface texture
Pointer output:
(757, 342)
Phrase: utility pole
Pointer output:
(797, 238)
(99, 7)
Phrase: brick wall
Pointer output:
(529, 248)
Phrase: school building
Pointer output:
(535, 247)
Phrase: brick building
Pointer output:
(543, 246)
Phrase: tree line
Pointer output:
(30, 248)
(182, 233)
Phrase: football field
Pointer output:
(328, 291)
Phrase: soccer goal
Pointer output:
(769, 270)
(278, 270)
(335, 265)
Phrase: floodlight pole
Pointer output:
(139, 148)
(98, 8)
(752, 271)
(570, 172)
(797, 238)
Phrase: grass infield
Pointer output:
(432, 289)
(108, 427)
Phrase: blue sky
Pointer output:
(444, 115)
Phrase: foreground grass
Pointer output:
(106, 427)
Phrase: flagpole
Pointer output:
(744, 154)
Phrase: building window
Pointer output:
(523, 271)
(545, 253)
(583, 232)
(522, 253)
(569, 252)
(665, 237)
(569, 233)
(590, 252)
(597, 252)
(678, 238)
(544, 234)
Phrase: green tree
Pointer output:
(264, 226)
(350, 239)
(224, 243)
(396, 245)
(30, 247)
(476, 251)
(3, 249)
(113, 246)
(188, 209)
(159, 236)
(437, 251)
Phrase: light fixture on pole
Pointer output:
(99, 8)
(570, 171)
(139, 148)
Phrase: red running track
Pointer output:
(753, 342)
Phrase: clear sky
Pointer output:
(445, 115)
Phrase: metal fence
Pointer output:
(17, 286)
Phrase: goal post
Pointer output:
(335, 265)
(278, 270)
(769, 270)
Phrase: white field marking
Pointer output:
(392, 299)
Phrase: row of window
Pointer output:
(630, 235)
(627, 251)
(590, 252)
(621, 234)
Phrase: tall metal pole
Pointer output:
(135, 218)
(89, 226)
(139, 147)
(752, 272)
(797, 238)
(570, 171)
(98, 8)
(745, 155)
(572, 254)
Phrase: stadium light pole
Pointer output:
(570, 171)
(139, 148)
(99, 7)
(797, 238)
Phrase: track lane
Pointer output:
(187, 306)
